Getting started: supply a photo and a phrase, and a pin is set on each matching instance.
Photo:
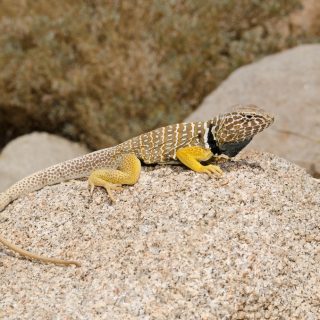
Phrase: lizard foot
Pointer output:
(108, 187)
(212, 169)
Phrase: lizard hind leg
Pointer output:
(128, 172)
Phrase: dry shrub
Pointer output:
(102, 71)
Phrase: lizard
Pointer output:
(184, 143)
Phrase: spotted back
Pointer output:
(226, 134)
(160, 145)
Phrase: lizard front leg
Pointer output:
(128, 172)
(191, 157)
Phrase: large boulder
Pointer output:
(32, 152)
(177, 245)
(286, 84)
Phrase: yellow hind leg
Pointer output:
(128, 172)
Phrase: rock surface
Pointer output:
(287, 84)
(32, 152)
(177, 245)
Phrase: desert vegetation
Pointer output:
(102, 71)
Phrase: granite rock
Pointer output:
(177, 245)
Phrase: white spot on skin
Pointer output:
(176, 135)
(205, 137)
(192, 129)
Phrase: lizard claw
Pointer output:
(91, 187)
(111, 186)
(107, 186)
(212, 169)
(110, 194)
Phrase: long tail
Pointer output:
(31, 255)
(70, 169)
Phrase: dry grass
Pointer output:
(103, 71)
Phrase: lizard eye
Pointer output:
(248, 116)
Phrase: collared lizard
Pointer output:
(186, 143)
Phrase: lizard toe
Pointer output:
(214, 169)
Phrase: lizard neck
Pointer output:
(218, 147)
(209, 138)
(212, 141)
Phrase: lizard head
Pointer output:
(234, 130)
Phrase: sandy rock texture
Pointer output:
(32, 152)
(177, 245)
(287, 84)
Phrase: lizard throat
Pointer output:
(229, 149)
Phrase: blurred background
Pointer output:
(100, 72)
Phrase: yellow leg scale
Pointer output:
(128, 172)
(191, 157)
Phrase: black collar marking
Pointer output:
(212, 142)
(231, 149)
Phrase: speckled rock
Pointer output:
(177, 245)
(287, 85)
(32, 152)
